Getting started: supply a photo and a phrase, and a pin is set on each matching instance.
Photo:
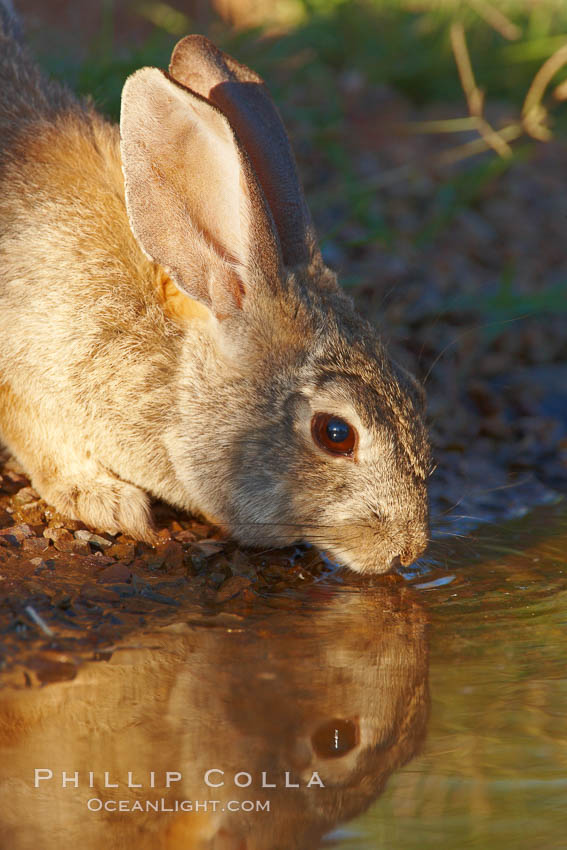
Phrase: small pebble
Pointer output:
(232, 587)
(25, 496)
(94, 539)
(64, 541)
(122, 551)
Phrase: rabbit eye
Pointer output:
(335, 738)
(333, 434)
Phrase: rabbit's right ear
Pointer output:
(244, 98)
(192, 197)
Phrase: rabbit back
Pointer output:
(86, 345)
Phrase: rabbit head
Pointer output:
(290, 421)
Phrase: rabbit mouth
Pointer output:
(360, 549)
(359, 563)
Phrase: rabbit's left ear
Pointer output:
(193, 200)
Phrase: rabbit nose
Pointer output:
(413, 550)
(406, 559)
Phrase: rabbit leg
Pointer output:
(100, 500)
(62, 469)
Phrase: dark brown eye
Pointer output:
(333, 434)
(335, 738)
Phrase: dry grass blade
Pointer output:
(534, 113)
(496, 19)
(441, 125)
(460, 152)
(474, 95)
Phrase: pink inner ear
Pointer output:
(192, 197)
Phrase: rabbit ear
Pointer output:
(243, 97)
(192, 197)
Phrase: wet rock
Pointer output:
(185, 536)
(35, 545)
(241, 565)
(32, 512)
(200, 529)
(95, 593)
(276, 573)
(40, 563)
(167, 556)
(16, 534)
(116, 573)
(96, 561)
(95, 540)
(125, 552)
(172, 585)
(14, 476)
(25, 496)
(174, 555)
(215, 579)
(112, 620)
(206, 548)
(64, 541)
(155, 559)
(232, 587)
(57, 534)
(56, 520)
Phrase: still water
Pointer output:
(420, 712)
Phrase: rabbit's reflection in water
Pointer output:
(336, 690)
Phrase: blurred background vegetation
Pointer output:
(335, 68)
(405, 44)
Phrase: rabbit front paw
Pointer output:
(104, 503)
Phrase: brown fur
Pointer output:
(185, 362)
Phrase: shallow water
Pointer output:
(416, 712)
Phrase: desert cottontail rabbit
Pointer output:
(168, 327)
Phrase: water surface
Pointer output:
(416, 712)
